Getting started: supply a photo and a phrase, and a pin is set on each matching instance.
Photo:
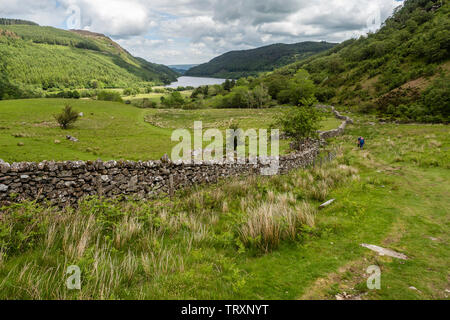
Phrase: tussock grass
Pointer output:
(271, 222)
(146, 247)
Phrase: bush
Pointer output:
(174, 100)
(301, 122)
(67, 117)
(109, 96)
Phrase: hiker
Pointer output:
(361, 142)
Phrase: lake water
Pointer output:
(195, 82)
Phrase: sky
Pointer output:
(195, 31)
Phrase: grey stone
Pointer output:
(70, 138)
(385, 252)
(3, 188)
(69, 184)
(326, 204)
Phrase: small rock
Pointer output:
(104, 178)
(326, 204)
(3, 188)
(20, 144)
(385, 252)
(69, 184)
(413, 288)
(57, 141)
(24, 177)
(73, 139)
(81, 114)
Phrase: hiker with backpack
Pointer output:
(361, 142)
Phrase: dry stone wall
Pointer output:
(67, 182)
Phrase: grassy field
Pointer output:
(107, 130)
(254, 238)
(155, 97)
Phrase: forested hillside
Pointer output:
(399, 72)
(237, 64)
(35, 59)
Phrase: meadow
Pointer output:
(256, 237)
(109, 130)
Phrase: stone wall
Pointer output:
(339, 131)
(66, 182)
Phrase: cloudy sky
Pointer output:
(195, 31)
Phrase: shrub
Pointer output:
(109, 96)
(301, 122)
(67, 117)
(270, 223)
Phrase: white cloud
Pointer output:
(194, 31)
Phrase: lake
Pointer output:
(195, 82)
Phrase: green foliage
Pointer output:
(413, 43)
(67, 117)
(7, 22)
(301, 122)
(34, 57)
(436, 99)
(238, 64)
(174, 100)
(106, 95)
(244, 97)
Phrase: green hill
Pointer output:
(237, 64)
(401, 71)
(35, 58)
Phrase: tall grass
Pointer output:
(139, 249)
(271, 222)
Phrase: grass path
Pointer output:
(397, 205)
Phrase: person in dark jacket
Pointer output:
(361, 142)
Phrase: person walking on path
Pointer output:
(361, 142)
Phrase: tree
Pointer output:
(260, 96)
(173, 100)
(67, 117)
(301, 122)
(227, 85)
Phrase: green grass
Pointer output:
(221, 118)
(393, 194)
(107, 130)
(155, 97)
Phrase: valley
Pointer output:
(89, 180)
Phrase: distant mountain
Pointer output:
(182, 68)
(7, 22)
(237, 64)
(34, 58)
